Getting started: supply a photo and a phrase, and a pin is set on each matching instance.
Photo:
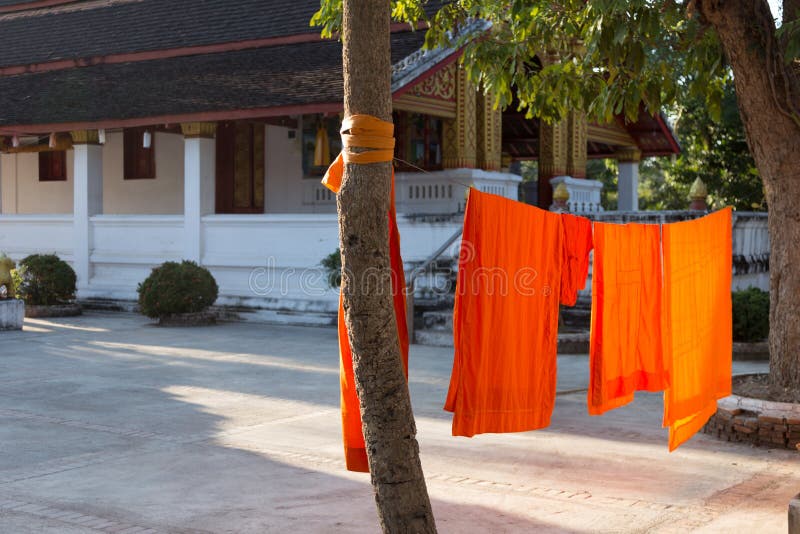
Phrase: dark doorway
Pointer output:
(240, 167)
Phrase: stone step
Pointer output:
(568, 342)
(439, 320)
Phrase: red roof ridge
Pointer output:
(193, 50)
(147, 55)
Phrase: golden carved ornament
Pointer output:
(85, 137)
(199, 129)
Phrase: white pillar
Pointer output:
(87, 175)
(199, 153)
(628, 180)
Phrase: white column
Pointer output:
(87, 175)
(199, 153)
(628, 180)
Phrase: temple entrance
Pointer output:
(240, 167)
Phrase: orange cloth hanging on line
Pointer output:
(505, 320)
(625, 353)
(577, 246)
(366, 132)
(697, 329)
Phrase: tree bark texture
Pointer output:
(363, 205)
(766, 89)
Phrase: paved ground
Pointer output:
(108, 424)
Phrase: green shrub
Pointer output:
(750, 315)
(332, 263)
(45, 280)
(177, 288)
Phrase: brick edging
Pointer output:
(760, 422)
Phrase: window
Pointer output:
(139, 162)
(418, 141)
(311, 134)
(53, 166)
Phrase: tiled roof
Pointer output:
(93, 28)
(97, 28)
(5, 3)
(285, 75)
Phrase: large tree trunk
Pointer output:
(363, 204)
(765, 86)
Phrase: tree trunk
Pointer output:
(363, 204)
(764, 89)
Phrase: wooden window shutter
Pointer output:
(53, 166)
(139, 162)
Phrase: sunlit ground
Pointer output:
(107, 420)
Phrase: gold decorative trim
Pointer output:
(198, 129)
(628, 154)
(85, 137)
(441, 86)
(489, 135)
(428, 106)
(577, 151)
(553, 138)
(611, 134)
(460, 133)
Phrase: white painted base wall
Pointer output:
(270, 262)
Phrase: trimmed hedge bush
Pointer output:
(45, 280)
(174, 288)
(750, 315)
(332, 263)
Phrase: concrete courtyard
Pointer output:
(108, 424)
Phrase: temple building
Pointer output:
(140, 131)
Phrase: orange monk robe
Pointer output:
(354, 448)
(625, 353)
(697, 321)
(505, 321)
(577, 246)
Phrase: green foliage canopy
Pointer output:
(716, 151)
(604, 57)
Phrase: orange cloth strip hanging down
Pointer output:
(577, 246)
(625, 353)
(505, 320)
(366, 131)
(697, 329)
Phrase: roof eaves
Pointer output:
(410, 68)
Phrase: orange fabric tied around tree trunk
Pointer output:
(377, 136)
(697, 325)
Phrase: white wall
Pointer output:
(160, 196)
(22, 191)
(283, 191)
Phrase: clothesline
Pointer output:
(428, 172)
(667, 332)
